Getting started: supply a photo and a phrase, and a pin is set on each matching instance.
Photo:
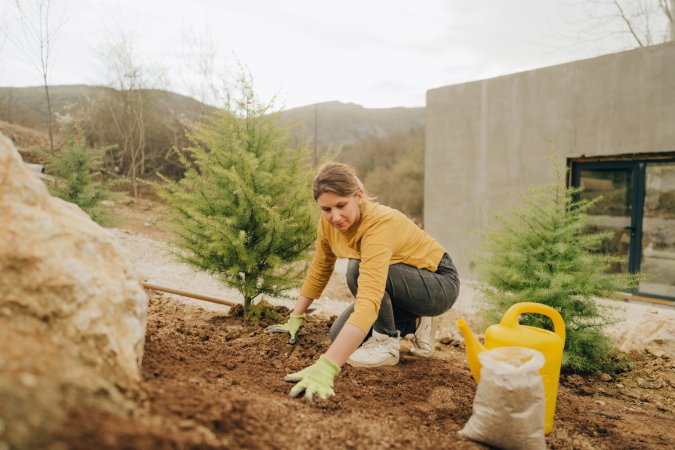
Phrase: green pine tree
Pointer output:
(244, 210)
(539, 252)
(74, 167)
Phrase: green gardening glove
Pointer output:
(291, 327)
(315, 379)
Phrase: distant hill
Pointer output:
(386, 146)
(338, 124)
(341, 124)
(26, 106)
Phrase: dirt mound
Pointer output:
(213, 381)
(27, 140)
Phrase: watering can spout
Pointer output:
(473, 348)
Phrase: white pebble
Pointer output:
(28, 380)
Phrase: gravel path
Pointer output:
(154, 262)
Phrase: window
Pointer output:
(638, 210)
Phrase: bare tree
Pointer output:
(40, 32)
(124, 107)
(143, 123)
(198, 71)
(5, 94)
(643, 21)
(668, 8)
(623, 24)
(3, 32)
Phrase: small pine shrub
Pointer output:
(539, 252)
(74, 169)
(244, 210)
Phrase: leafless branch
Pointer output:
(617, 25)
(667, 9)
(200, 73)
(3, 30)
(40, 33)
(124, 107)
(628, 23)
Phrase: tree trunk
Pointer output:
(50, 121)
(247, 306)
(672, 20)
(134, 187)
(141, 137)
(315, 160)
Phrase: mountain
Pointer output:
(26, 106)
(337, 124)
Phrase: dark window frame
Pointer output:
(637, 163)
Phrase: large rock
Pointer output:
(72, 314)
(652, 329)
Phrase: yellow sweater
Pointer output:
(383, 236)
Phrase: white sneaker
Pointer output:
(378, 350)
(421, 343)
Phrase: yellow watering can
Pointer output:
(510, 333)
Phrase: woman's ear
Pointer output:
(359, 196)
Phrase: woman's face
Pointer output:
(341, 211)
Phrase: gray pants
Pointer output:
(409, 293)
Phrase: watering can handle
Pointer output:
(511, 316)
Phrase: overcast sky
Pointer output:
(377, 53)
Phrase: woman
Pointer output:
(397, 273)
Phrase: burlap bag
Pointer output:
(509, 407)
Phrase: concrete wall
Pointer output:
(487, 140)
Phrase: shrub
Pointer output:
(74, 168)
(244, 210)
(538, 252)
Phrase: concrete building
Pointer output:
(611, 120)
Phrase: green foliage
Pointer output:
(392, 169)
(538, 252)
(401, 185)
(74, 168)
(244, 210)
(259, 312)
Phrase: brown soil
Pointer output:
(213, 381)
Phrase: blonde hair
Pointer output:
(336, 177)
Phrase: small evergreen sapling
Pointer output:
(74, 168)
(244, 210)
(539, 252)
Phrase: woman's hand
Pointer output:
(315, 379)
(291, 327)
(294, 322)
(318, 378)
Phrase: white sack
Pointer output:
(510, 406)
